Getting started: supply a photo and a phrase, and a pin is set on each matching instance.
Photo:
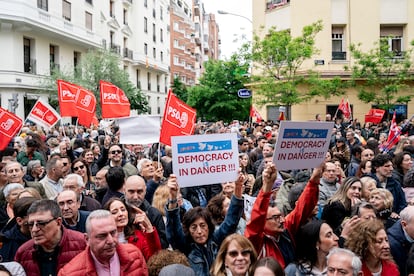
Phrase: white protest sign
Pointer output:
(205, 159)
(302, 145)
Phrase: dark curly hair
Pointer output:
(192, 215)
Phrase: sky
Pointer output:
(231, 27)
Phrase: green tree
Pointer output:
(278, 57)
(216, 97)
(384, 74)
(98, 65)
(179, 89)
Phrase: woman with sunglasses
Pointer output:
(235, 257)
(79, 166)
(314, 241)
(136, 230)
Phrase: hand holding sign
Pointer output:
(173, 185)
(241, 179)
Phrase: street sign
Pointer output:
(244, 93)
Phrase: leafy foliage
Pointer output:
(216, 97)
(95, 66)
(383, 73)
(179, 89)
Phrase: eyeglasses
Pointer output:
(235, 253)
(81, 167)
(275, 217)
(116, 152)
(39, 224)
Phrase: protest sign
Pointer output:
(205, 159)
(301, 145)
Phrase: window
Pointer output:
(145, 3)
(76, 61)
(53, 57)
(161, 35)
(158, 83)
(88, 21)
(66, 12)
(145, 48)
(138, 75)
(149, 80)
(393, 37)
(89, 1)
(161, 13)
(145, 25)
(162, 56)
(338, 46)
(154, 52)
(27, 61)
(176, 60)
(154, 38)
(125, 15)
(43, 4)
(111, 9)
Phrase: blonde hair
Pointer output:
(385, 194)
(160, 198)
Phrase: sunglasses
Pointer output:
(235, 253)
(39, 224)
(81, 167)
(116, 152)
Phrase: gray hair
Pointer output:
(141, 163)
(97, 214)
(11, 187)
(407, 214)
(355, 262)
(78, 178)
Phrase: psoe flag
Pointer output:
(10, 124)
(43, 114)
(143, 129)
(179, 119)
(114, 102)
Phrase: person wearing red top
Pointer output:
(272, 233)
(145, 238)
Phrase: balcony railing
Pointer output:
(30, 67)
(338, 55)
(127, 53)
(115, 48)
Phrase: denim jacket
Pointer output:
(202, 256)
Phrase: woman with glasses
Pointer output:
(314, 241)
(79, 166)
(369, 241)
(235, 257)
(196, 236)
(136, 230)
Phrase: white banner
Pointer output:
(143, 129)
(302, 145)
(205, 159)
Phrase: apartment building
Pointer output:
(39, 35)
(345, 22)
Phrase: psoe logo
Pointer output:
(110, 96)
(7, 124)
(86, 101)
(68, 94)
(182, 117)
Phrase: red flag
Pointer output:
(393, 135)
(345, 108)
(67, 94)
(255, 113)
(43, 114)
(374, 116)
(114, 102)
(85, 106)
(179, 119)
(282, 116)
(10, 124)
(95, 120)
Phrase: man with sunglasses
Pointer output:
(115, 159)
(52, 245)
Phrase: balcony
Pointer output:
(115, 48)
(26, 16)
(30, 67)
(127, 53)
(338, 55)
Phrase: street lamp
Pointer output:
(235, 14)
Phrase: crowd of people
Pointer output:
(74, 201)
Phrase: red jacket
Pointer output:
(266, 245)
(71, 244)
(148, 243)
(130, 258)
(389, 268)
